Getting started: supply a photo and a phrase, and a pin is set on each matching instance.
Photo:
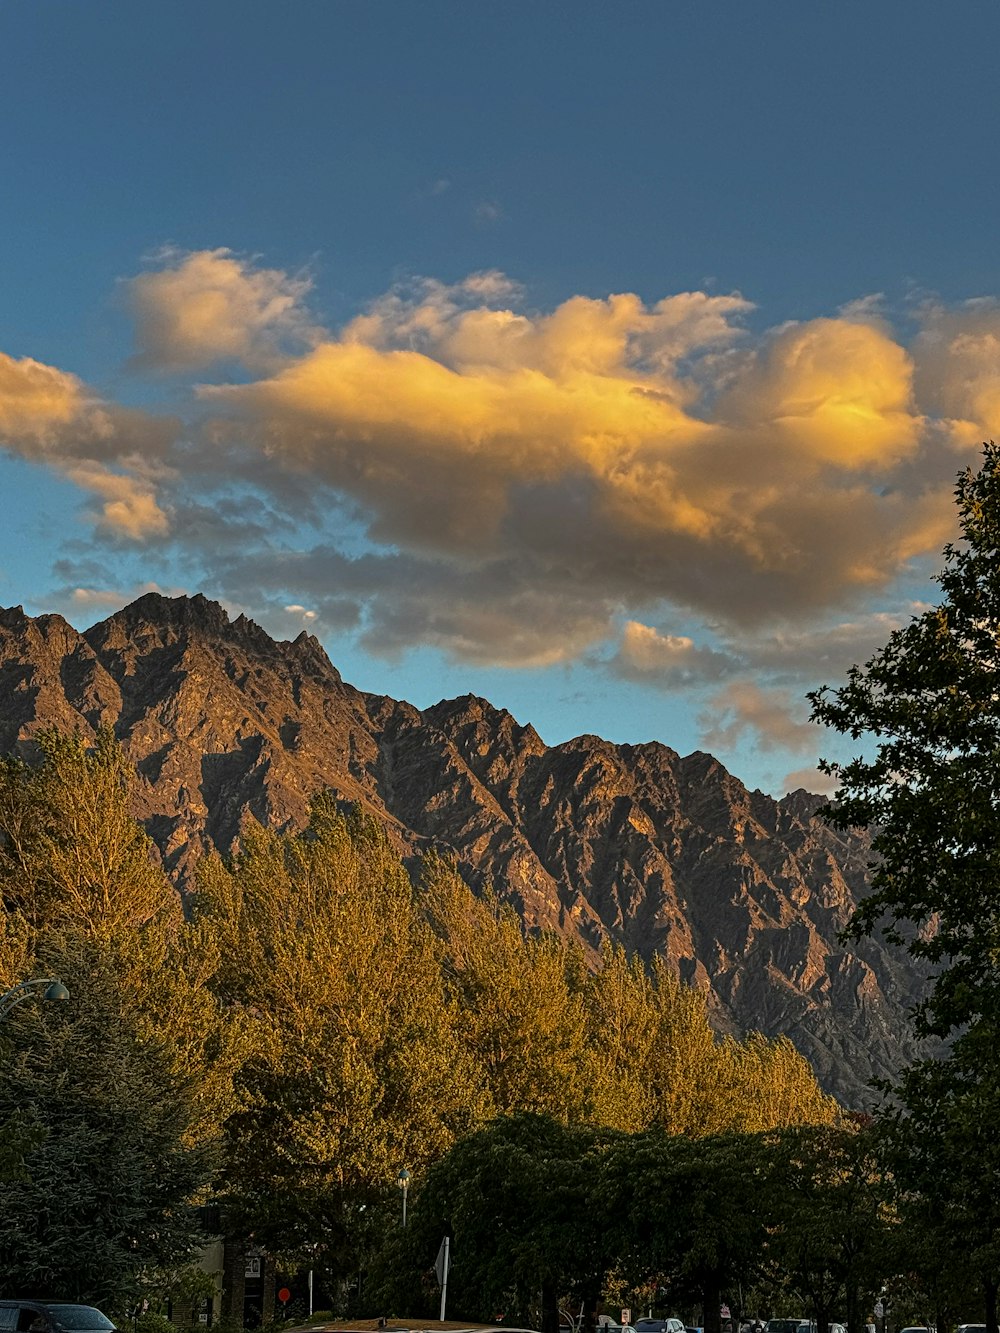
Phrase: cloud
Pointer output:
(103, 598)
(646, 453)
(824, 649)
(742, 710)
(810, 779)
(114, 453)
(454, 468)
(667, 661)
(128, 505)
(957, 356)
(207, 306)
(488, 210)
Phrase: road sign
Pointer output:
(284, 1295)
(724, 1312)
(443, 1262)
(626, 1316)
(879, 1309)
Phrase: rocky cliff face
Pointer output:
(744, 895)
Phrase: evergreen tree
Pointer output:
(108, 1186)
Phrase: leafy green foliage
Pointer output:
(103, 1189)
(518, 1201)
(931, 795)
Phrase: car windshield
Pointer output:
(79, 1317)
(784, 1325)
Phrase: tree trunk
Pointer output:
(854, 1320)
(550, 1307)
(990, 1292)
(712, 1302)
(591, 1300)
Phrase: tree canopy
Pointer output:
(930, 702)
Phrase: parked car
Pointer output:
(784, 1325)
(659, 1326)
(52, 1317)
(972, 1328)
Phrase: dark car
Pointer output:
(30, 1316)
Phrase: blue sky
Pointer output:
(612, 362)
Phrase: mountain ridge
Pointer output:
(744, 895)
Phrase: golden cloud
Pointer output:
(36, 402)
(48, 415)
(209, 306)
(647, 451)
(539, 476)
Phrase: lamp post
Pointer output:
(403, 1181)
(54, 990)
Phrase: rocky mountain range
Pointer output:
(744, 894)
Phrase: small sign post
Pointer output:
(441, 1266)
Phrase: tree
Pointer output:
(691, 1215)
(517, 1001)
(520, 1199)
(833, 1218)
(71, 851)
(355, 1069)
(110, 1179)
(930, 699)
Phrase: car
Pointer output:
(972, 1328)
(31, 1316)
(784, 1325)
(659, 1326)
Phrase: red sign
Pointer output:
(284, 1295)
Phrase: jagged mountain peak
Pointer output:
(472, 710)
(157, 621)
(166, 619)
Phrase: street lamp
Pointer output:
(54, 990)
(403, 1181)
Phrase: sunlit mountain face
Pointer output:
(669, 856)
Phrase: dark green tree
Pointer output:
(930, 699)
(521, 1201)
(832, 1220)
(692, 1214)
(109, 1180)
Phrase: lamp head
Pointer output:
(57, 991)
